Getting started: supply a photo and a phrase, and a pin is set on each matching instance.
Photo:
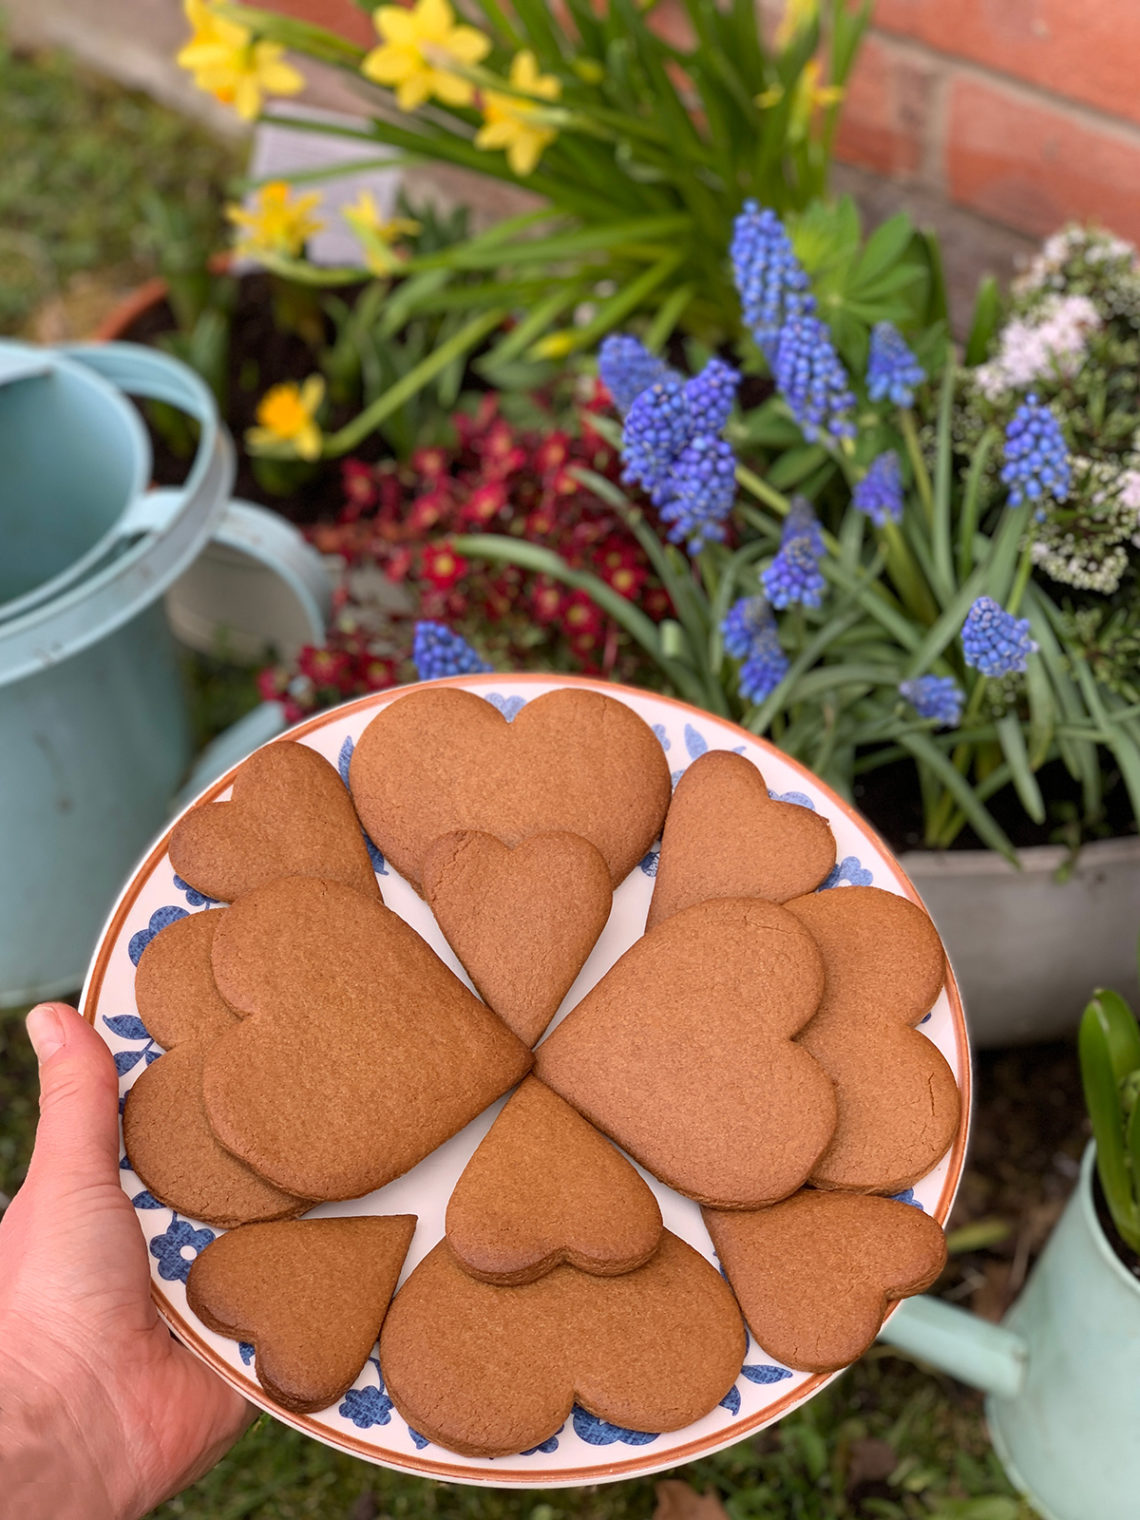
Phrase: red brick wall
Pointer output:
(1026, 112)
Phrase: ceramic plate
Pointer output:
(585, 1450)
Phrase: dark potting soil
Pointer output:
(890, 798)
(260, 355)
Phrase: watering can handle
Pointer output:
(971, 1349)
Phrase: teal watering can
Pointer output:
(1062, 1372)
(94, 733)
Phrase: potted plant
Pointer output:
(1061, 1370)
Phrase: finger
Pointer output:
(78, 1133)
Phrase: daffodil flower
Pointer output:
(798, 16)
(517, 125)
(377, 235)
(809, 97)
(419, 50)
(277, 222)
(287, 420)
(227, 63)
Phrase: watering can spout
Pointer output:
(986, 1356)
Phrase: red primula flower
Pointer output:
(361, 490)
(376, 672)
(398, 565)
(271, 683)
(426, 512)
(441, 566)
(546, 599)
(656, 604)
(484, 503)
(551, 453)
(324, 667)
(430, 463)
(580, 617)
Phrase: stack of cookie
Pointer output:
(755, 1050)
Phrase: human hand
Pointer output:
(102, 1413)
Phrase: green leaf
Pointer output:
(988, 830)
(1012, 741)
(943, 504)
(1099, 1038)
(987, 315)
(884, 247)
(794, 465)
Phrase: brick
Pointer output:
(1084, 50)
(340, 16)
(1034, 166)
(885, 119)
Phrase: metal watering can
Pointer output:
(94, 733)
(1062, 1372)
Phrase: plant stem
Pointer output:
(918, 464)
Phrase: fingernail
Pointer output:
(46, 1031)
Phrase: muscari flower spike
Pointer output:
(801, 522)
(892, 370)
(750, 634)
(794, 575)
(437, 651)
(772, 283)
(811, 378)
(879, 495)
(656, 431)
(937, 697)
(627, 368)
(700, 493)
(711, 395)
(1036, 455)
(994, 641)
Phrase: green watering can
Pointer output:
(94, 732)
(1062, 1372)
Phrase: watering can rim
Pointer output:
(89, 610)
(59, 360)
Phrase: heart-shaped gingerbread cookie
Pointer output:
(522, 921)
(172, 1148)
(174, 983)
(289, 815)
(544, 1188)
(310, 1295)
(361, 1052)
(815, 1274)
(899, 1105)
(684, 1054)
(486, 1371)
(725, 837)
(573, 761)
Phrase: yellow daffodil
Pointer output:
(809, 97)
(419, 50)
(278, 221)
(227, 63)
(376, 235)
(798, 14)
(287, 419)
(517, 125)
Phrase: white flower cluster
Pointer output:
(1050, 341)
(1087, 548)
(1047, 268)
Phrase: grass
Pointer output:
(83, 160)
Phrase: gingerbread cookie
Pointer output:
(486, 1371)
(289, 815)
(310, 1295)
(725, 837)
(175, 1153)
(174, 983)
(544, 1188)
(899, 1106)
(815, 1274)
(522, 921)
(360, 1053)
(683, 1053)
(442, 759)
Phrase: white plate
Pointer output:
(364, 1423)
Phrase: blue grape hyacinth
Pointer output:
(657, 429)
(701, 490)
(811, 378)
(937, 697)
(750, 634)
(879, 495)
(794, 575)
(627, 368)
(1036, 455)
(994, 641)
(437, 651)
(892, 370)
(801, 522)
(711, 395)
(773, 286)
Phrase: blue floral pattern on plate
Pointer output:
(370, 1405)
(596, 1432)
(342, 763)
(129, 1026)
(848, 872)
(510, 707)
(168, 1248)
(160, 919)
(195, 898)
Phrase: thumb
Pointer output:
(78, 1134)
